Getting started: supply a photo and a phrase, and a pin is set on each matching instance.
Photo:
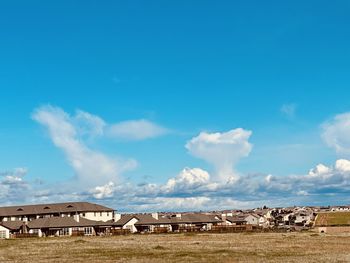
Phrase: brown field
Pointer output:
(243, 247)
(333, 219)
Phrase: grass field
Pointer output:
(333, 219)
(244, 247)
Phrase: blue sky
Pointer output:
(277, 69)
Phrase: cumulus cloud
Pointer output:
(13, 187)
(188, 180)
(192, 189)
(90, 166)
(336, 133)
(136, 130)
(223, 150)
(171, 203)
(342, 165)
(104, 191)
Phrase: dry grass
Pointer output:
(260, 247)
(333, 219)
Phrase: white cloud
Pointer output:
(342, 165)
(87, 123)
(223, 150)
(171, 203)
(320, 169)
(91, 166)
(136, 130)
(188, 179)
(192, 189)
(336, 133)
(13, 187)
(104, 191)
(289, 110)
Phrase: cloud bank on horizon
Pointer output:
(98, 174)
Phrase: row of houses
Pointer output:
(84, 218)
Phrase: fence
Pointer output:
(77, 233)
(160, 230)
(118, 232)
(231, 229)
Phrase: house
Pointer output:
(4, 232)
(12, 228)
(252, 219)
(166, 223)
(61, 219)
(233, 220)
(67, 226)
(83, 209)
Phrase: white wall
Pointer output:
(131, 225)
(6, 231)
(98, 216)
(251, 220)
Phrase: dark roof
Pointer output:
(148, 219)
(236, 219)
(198, 218)
(124, 219)
(52, 208)
(12, 225)
(61, 222)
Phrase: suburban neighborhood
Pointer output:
(89, 219)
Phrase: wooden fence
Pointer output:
(118, 232)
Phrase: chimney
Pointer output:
(178, 215)
(155, 216)
(223, 218)
(117, 217)
(76, 217)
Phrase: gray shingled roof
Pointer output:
(53, 208)
(236, 219)
(61, 222)
(12, 225)
(124, 219)
(147, 219)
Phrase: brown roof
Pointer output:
(124, 219)
(236, 219)
(198, 218)
(147, 219)
(52, 208)
(61, 222)
(12, 225)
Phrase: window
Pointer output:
(83, 214)
(88, 231)
(46, 207)
(69, 206)
(94, 214)
(20, 209)
(64, 232)
(107, 213)
(2, 234)
(100, 213)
